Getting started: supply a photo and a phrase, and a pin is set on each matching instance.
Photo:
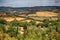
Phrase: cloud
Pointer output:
(23, 3)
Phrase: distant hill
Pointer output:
(36, 8)
(16, 11)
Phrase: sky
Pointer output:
(29, 3)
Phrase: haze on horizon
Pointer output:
(29, 3)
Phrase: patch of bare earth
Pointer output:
(46, 14)
(39, 14)
(12, 18)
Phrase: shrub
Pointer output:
(2, 21)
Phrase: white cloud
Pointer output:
(22, 3)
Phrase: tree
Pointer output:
(24, 24)
(2, 30)
(40, 24)
(2, 21)
(15, 24)
(32, 22)
(57, 24)
(46, 22)
(11, 31)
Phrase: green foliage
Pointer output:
(24, 24)
(2, 21)
(32, 35)
(46, 22)
(57, 24)
(13, 28)
(2, 31)
(2, 28)
(12, 31)
(32, 22)
(32, 31)
(14, 23)
(40, 24)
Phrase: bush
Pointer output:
(46, 22)
(2, 21)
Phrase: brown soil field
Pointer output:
(12, 18)
(39, 14)
(46, 14)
